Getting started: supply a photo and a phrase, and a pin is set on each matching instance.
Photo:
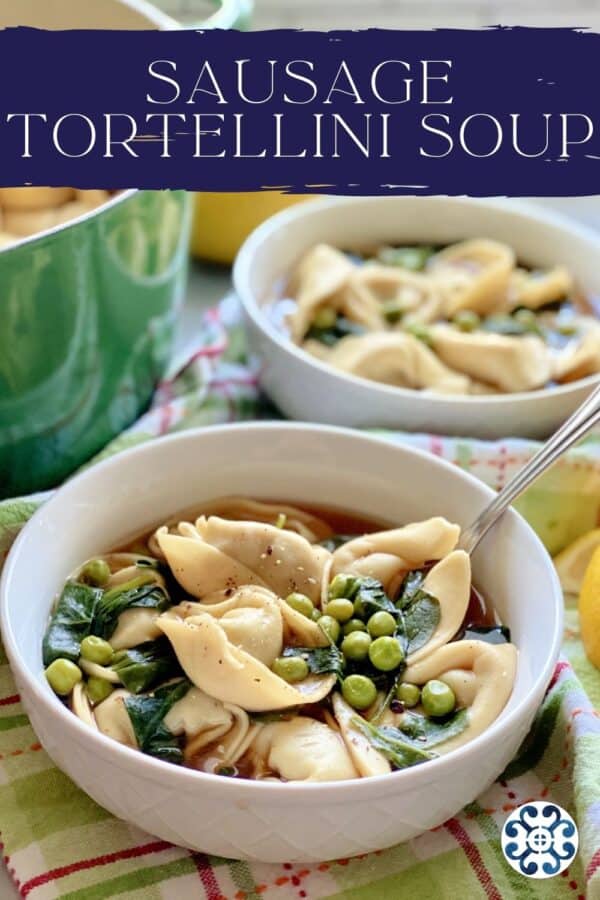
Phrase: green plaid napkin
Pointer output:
(58, 843)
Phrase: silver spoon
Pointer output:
(584, 418)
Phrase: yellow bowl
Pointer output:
(222, 222)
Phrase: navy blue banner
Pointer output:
(500, 111)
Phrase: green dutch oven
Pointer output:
(88, 309)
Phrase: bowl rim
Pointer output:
(278, 222)
(154, 769)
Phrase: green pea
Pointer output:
(301, 603)
(359, 608)
(420, 332)
(315, 614)
(380, 624)
(96, 650)
(526, 317)
(96, 572)
(63, 675)
(466, 320)
(341, 609)
(386, 654)
(566, 328)
(331, 627)
(359, 691)
(392, 311)
(290, 668)
(98, 689)
(326, 317)
(354, 625)
(355, 646)
(409, 694)
(342, 586)
(412, 258)
(437, 698)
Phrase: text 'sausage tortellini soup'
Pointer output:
(462, 319)
(275, 642)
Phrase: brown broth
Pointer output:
(341, 521)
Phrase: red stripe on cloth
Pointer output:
(474, 857)
(436, 446)
(63, 871)
(6, 701)
(245, 381)
(207, 877)
(559, 669)
(593, 865)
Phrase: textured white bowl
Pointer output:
(268, 821)
(305, 388)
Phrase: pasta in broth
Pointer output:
(464, 319)
(270, 641)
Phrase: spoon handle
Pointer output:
(584, 418)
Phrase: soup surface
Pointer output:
(461, 319)
(274, 641)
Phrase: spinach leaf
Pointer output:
(411, 741)
(265, 718)
(70, 622)
(429, 732)
(491, 634)
(383, 681)
(392, 744)
(320, 660)
(511, 325)
(336, 540)
(141, 667)
(127, 596)
(421, 619)
(147, 713)
(330, 336)
(370, 598)
(421, 610)
(412, 258)
(412, 583)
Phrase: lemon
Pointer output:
(572, 562)
(589, 609)
(222, 222)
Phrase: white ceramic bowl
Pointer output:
(269, 821)
(305, 388)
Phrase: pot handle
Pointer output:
(229, 14)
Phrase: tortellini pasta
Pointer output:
(450, 581)
(385, 555)
(461, 319)
(302, 749)
(473, 275)
(394, 358)
(279, 649)
(481, 676)
(507, 363)
(230, 674)
(27, 210)
(218, 555)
